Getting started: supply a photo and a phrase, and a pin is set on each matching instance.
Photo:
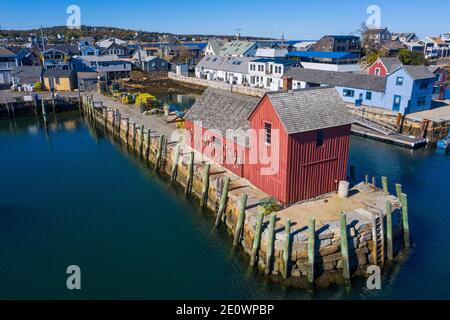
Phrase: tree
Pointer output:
(411, 57)
(372, 57)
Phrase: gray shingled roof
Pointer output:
(417, 72)
(391, 63)
(27, 74)
(222, 110)
(230, 64)
(310, 109)
(236, 48)
(338, 79)
(58, 73)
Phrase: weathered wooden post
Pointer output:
(133, 133)
(240, 221)
(113, 123)
(141, 139)
(223, 201)
(175, 163)
(374, 181)
(311, 248)
(257, 238)
(127, 130)
(398, 189)
(271, 243)
(147, 151)
(404, 201)
(384, 183)
(366, 180)
(205, 187)
(53, 103)
(190, 175)
(344, 245)
(105, 117)
(44, 114)
(119, 124)
(287, 244)
(159, 152)
(389, 236)
(13, 111)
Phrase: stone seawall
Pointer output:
(329, 261)
(249, 91)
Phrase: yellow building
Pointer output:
(60, 80)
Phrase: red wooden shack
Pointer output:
(383, 66)
(292, 145)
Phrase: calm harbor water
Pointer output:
(74, 197)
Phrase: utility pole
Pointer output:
(42, 39)
(139, 50)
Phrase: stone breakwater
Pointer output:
(328, 258)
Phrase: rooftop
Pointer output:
(338, 79)
(323, 54)
(222, 110)
(310, 109)
(226, 63)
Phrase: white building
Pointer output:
(213, 48)
(263, 73)
(268, 73)
(265, 52)
(109, 41)
(436, 47)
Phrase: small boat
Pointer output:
(444, 143)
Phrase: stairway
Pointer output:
(381, 128)
(378, 238)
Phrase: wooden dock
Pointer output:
(393, 137)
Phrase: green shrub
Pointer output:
(269, 205)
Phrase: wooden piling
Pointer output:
(287, 244)
(223, 201)
(405, 220)
(159, 152)
(119, 124)
(44, 114)
(105, 117)
(127, 130)
(398, 189)
(271, 243)
(384, 183)
(389, 236)
(205, 187)
(374, 181)
(13, 111)
(175, 163)
(257, 239)
(366, 179)
(141, 139)
(311, 248)
(147, 151)
(113, 123)
(344, 245)
(190, 175)
(352, 173)
(133, 134)
(240, 221)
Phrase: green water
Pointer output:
(73, 197)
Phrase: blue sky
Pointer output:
(297, 19)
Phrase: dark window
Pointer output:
(368, 95)
(399, 81)
(424, 84)
(319, 139)
(421, 101)
(349, 93)
(267, 133)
